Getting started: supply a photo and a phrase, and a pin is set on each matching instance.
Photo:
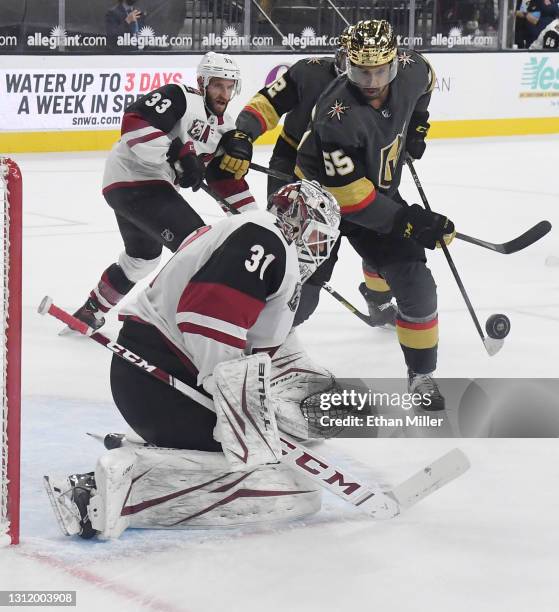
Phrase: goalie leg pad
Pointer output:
(246, 424)
(180, 489)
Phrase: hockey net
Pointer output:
(10, 305)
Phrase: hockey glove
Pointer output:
(424, 226)
(417, 132)
(237, 153)
(190, 168)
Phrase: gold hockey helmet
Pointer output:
(371, 43)
(372, 56)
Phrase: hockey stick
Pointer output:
(492, 345)
(226, 206)
(516, 244)
(506, 248)
(368, 498)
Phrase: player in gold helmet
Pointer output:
(362, 127)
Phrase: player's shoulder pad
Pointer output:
(338, 110)
(416, 69)
(258, 238)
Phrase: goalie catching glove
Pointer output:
(424, 226)
(237, 149)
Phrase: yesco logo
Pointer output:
(540, 80)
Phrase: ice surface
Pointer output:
(487, 542)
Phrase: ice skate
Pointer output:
(69, 498)
(426, 386)
(89, 314)
(380, 315)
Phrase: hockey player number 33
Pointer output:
(165, 103)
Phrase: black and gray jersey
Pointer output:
(356, 151)
(292, 94)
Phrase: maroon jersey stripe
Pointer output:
(131, 122)
(220, 302)
(214, 334)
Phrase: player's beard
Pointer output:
(217, 106)
(375, 93)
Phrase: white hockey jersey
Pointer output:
(231, 288)
(150, 125)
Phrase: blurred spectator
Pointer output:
(548, 40)
(549, 11)
(533, 16)
(123, 18)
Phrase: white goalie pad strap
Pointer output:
(295, 376)
(246, 424)
(180, 489)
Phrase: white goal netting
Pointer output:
(10, 351)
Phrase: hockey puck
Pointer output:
(497, 326)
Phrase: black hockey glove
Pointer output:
(237, 153)
(424, 226)
(417, 132)
(190, 168)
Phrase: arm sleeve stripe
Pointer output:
(145, 138)
(213, 334)
(220, 302)
(213, 323)
(262, 108)
(258, 117)
(132, 122)
(355, 196)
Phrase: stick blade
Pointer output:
(528, 238)
(431, 478)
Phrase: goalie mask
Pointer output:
(309, 216)
(217, 65)
(372, 56)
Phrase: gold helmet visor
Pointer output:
(372, 77)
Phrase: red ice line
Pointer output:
(136, 596)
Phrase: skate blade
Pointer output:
(69, 525)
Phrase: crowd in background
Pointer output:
(531, 17)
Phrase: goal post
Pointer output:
(11, 197)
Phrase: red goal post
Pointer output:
(11, 196)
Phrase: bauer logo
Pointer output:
(540, 78)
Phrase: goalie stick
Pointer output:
(226, 206)
(505, 248)
(368, 498)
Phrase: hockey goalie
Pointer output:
(218, 317)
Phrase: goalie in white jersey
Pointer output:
(169, 139)
(211, 318)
